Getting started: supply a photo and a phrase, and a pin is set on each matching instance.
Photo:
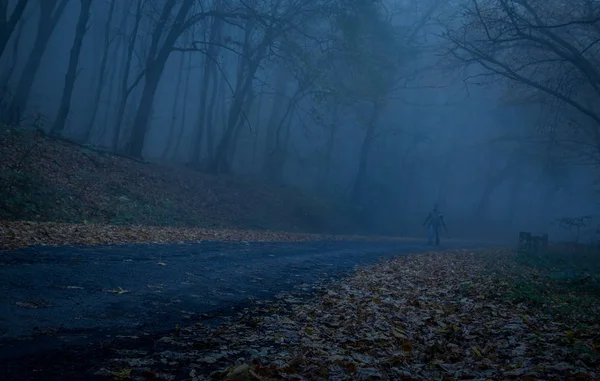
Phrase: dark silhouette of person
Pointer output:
(434, 222)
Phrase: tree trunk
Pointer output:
(5, 91)
(71, 76)
(246, 109)
(155, 64)
(257, 123)
(219, 163)
(363, 161)
(209, 72)
(326, 165)
(125, 88)
(174, 110)
(50, 13)
(492, 184)
(8, 25)
(102, 134)
(280, 154)
(275, 158)
(218, 89)
(183, 118)
(144, 110)
(102, 73)
(274, 118)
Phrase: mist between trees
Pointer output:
(490, 108)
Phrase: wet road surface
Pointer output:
(59, 298)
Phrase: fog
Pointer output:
(489, 108)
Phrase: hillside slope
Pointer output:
(45, 179)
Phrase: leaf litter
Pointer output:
(432, 316)
(17, 234)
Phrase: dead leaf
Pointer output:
(117, 290)
(122, 375)
(239, 373)
(32, 304)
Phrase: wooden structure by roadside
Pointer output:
(531, 244)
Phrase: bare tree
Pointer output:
(125, 87)
(9, 23)
(71, 75)
(209, 74)
(50, 12)
(174, 110)
(164, 37)
(176, 129)
(252, 55)
(108, 40)
(6, 91)
(185, 106)
(271, 23)
(370, 62)
(546, 51)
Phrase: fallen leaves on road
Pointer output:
(32, 304)
(15, 234)
(117, 290)
(434, 316)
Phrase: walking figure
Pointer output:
(434, 221)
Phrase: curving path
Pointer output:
(68, 298)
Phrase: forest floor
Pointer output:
(476, 314)
(461, 314)
(43, 180)
(484, 314)
(458, 314)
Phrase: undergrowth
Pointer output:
(47, 179)
(561, 281)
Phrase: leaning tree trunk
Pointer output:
(219, 163)
(65, 102)
(5, 92)
(102, 73)
(50, 13)
(492, 184)
(7, 26)
(365, 150)
(174, 110)
(7, 75)
(125, 89)
(144, 110)
(155, 64)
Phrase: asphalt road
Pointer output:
(56, 298)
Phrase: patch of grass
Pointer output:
(557, 259)
(25, 195)
(565, 297)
